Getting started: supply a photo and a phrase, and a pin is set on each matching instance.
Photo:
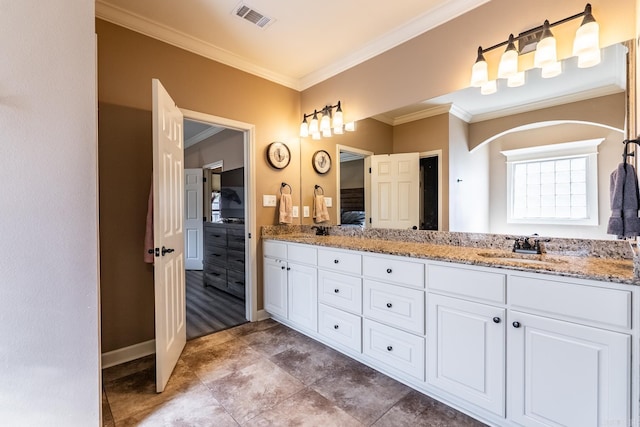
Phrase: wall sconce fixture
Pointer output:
(323, 121)
(586, 46)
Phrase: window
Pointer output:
(553, 184)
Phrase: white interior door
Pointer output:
(168, 220)
(193, 217)
(395, 190)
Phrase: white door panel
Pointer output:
(395, 190)
(168, 219)
(193, 242)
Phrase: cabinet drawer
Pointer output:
(346, 262)
(235, 239)
(215, 235)
(304, 254)
(274, 249)
(215, 276)
(465, 282)
(235, 260)
(394, 305)
(235, 283)
(394, 269)
(602, 306)
(397, 349)
(340, 327)
(216, 255)
(338, 290)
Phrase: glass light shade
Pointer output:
(313, 126)
(350, 126)
(509, 61)
(489, 87)
(516, 80)
(325, 123)
(316, 135)
(546, 48)
(551, 70)
(479, 72)
(338, 130)
(337, 119)
(326, 133)
(304, 129)
(589, 58)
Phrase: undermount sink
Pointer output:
(525, 259)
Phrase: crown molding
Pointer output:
(419, 25)
(168, 35)
(207, 133)
(422, 114)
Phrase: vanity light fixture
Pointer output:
(324, 121)
(586, 47)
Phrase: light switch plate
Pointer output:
(269, 200)
(305, 211)
(328, 201)
(294, 212)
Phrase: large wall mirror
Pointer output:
(474, 150)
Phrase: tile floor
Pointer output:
(265, 374)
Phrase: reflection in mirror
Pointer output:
(474, 132)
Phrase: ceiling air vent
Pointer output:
(248, 13)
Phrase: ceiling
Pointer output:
(304, 43)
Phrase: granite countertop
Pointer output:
(610, 269)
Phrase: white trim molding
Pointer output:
(127, 354)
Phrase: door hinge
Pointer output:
(204, 219)
(369, 220)
(204, 179)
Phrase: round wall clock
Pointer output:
(321, 161)
(278, 155)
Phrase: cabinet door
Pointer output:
(467, 351)
(564, 374)
(302, 284)
(275, 286)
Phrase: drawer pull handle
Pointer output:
(389, 270)
(335, 261)
(216, 274)
(496, 320)
(389, 348)
(389, 305)
(336, 291)
(240, 260)
(516, 324)
(336, 326)
(217, 254)
(238, 282)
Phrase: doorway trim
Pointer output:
(438, 154)
(365, 153)
(249, 131)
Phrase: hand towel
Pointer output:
(148, 233)
(286, 209)
(320, 211)
(625, 201)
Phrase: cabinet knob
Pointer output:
(389, 270)
(335, 261)
(288, 268)
(516, 324)
(336, 326)
(282, 267)
(336, 290)
(496, 320)
(389, 305)
(389, 348)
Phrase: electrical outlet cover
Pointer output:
(269, 200)
(305, 210)
(328, 201)
(294, 212)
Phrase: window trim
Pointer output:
(584, 148)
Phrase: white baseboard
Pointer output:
(263, 315)
(126, 354)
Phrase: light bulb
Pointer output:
(509, 61)
(313, 126)
(546, 48)
(516, 80)
(338, 121)
(304, 128)
(316, 136)
(551, 70)
(586, 45)
(326, 133)
(489, 88)
(325, 122)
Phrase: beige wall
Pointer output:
(439, 61)
(352, 174)
(127, 62)
(227, 146)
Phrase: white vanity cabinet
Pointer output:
(291, 283)
(509, 347)
(572, 345)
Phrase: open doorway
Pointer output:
(218, 294)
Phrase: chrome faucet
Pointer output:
(321, 230)
(528, 245)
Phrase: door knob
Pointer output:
(166, 251)
(496, 320)
(516, 324)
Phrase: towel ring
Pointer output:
(284, 184)
(316, 188)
